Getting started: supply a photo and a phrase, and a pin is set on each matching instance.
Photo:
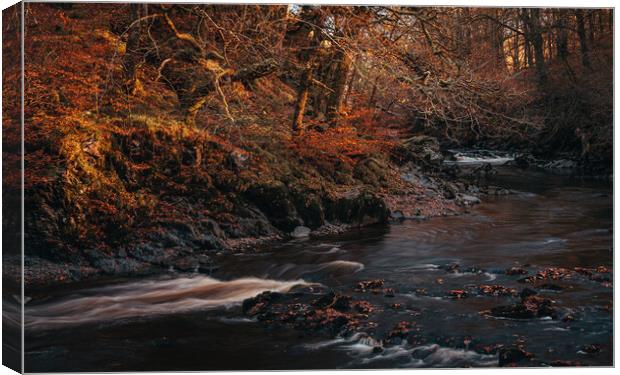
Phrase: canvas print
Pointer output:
(264, 187)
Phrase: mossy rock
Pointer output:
(274, 200)
(359, 209)
(310, 208)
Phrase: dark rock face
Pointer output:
(310, 209)
(424, 149)
(274, 201)
(287, 209)
(329, 313)
(361, 209)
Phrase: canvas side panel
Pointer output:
(12, 187)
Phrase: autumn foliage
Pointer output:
(113, 147)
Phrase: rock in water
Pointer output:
(300, 232)
(469, 199)
(513, 355)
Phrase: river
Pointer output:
(194, 322)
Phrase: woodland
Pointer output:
(232, 125)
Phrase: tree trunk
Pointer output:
(562, 38)
(373, 93)
(302, 98)
(581, 31)
(339, 83)
(347, 96)
(531, 18)
(515, 54)
(591, 26)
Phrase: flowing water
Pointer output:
(194, 322)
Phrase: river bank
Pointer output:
(386, 192)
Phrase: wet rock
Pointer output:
(523, 161)
(560, 164)
(397, 216)
(512, 356)
(527, 280)
(468, 199)
(330, 313)
(583, 271)
(396, 306)
(516, 271)
(363, 307)
(334, 300)
(423, 149)
(273, 199)
(309, 207)
(457, 293)
(359, 209)
(568, 318)
(452, 268)
(496, 290)
(551, 273)
(400, 330)
(527, 292)
(370, 285)
(529, 308)
(187, 264)
(300, 232)
(554, 273)
(603, 269)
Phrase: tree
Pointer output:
(531, 21)
(583, 43)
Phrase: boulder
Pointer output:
(301, 232)
(423, 148)
(273, 199)
(511, 356)
(359, 209)
(309, 207)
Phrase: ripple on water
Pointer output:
(362, 349)
(151, 298)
